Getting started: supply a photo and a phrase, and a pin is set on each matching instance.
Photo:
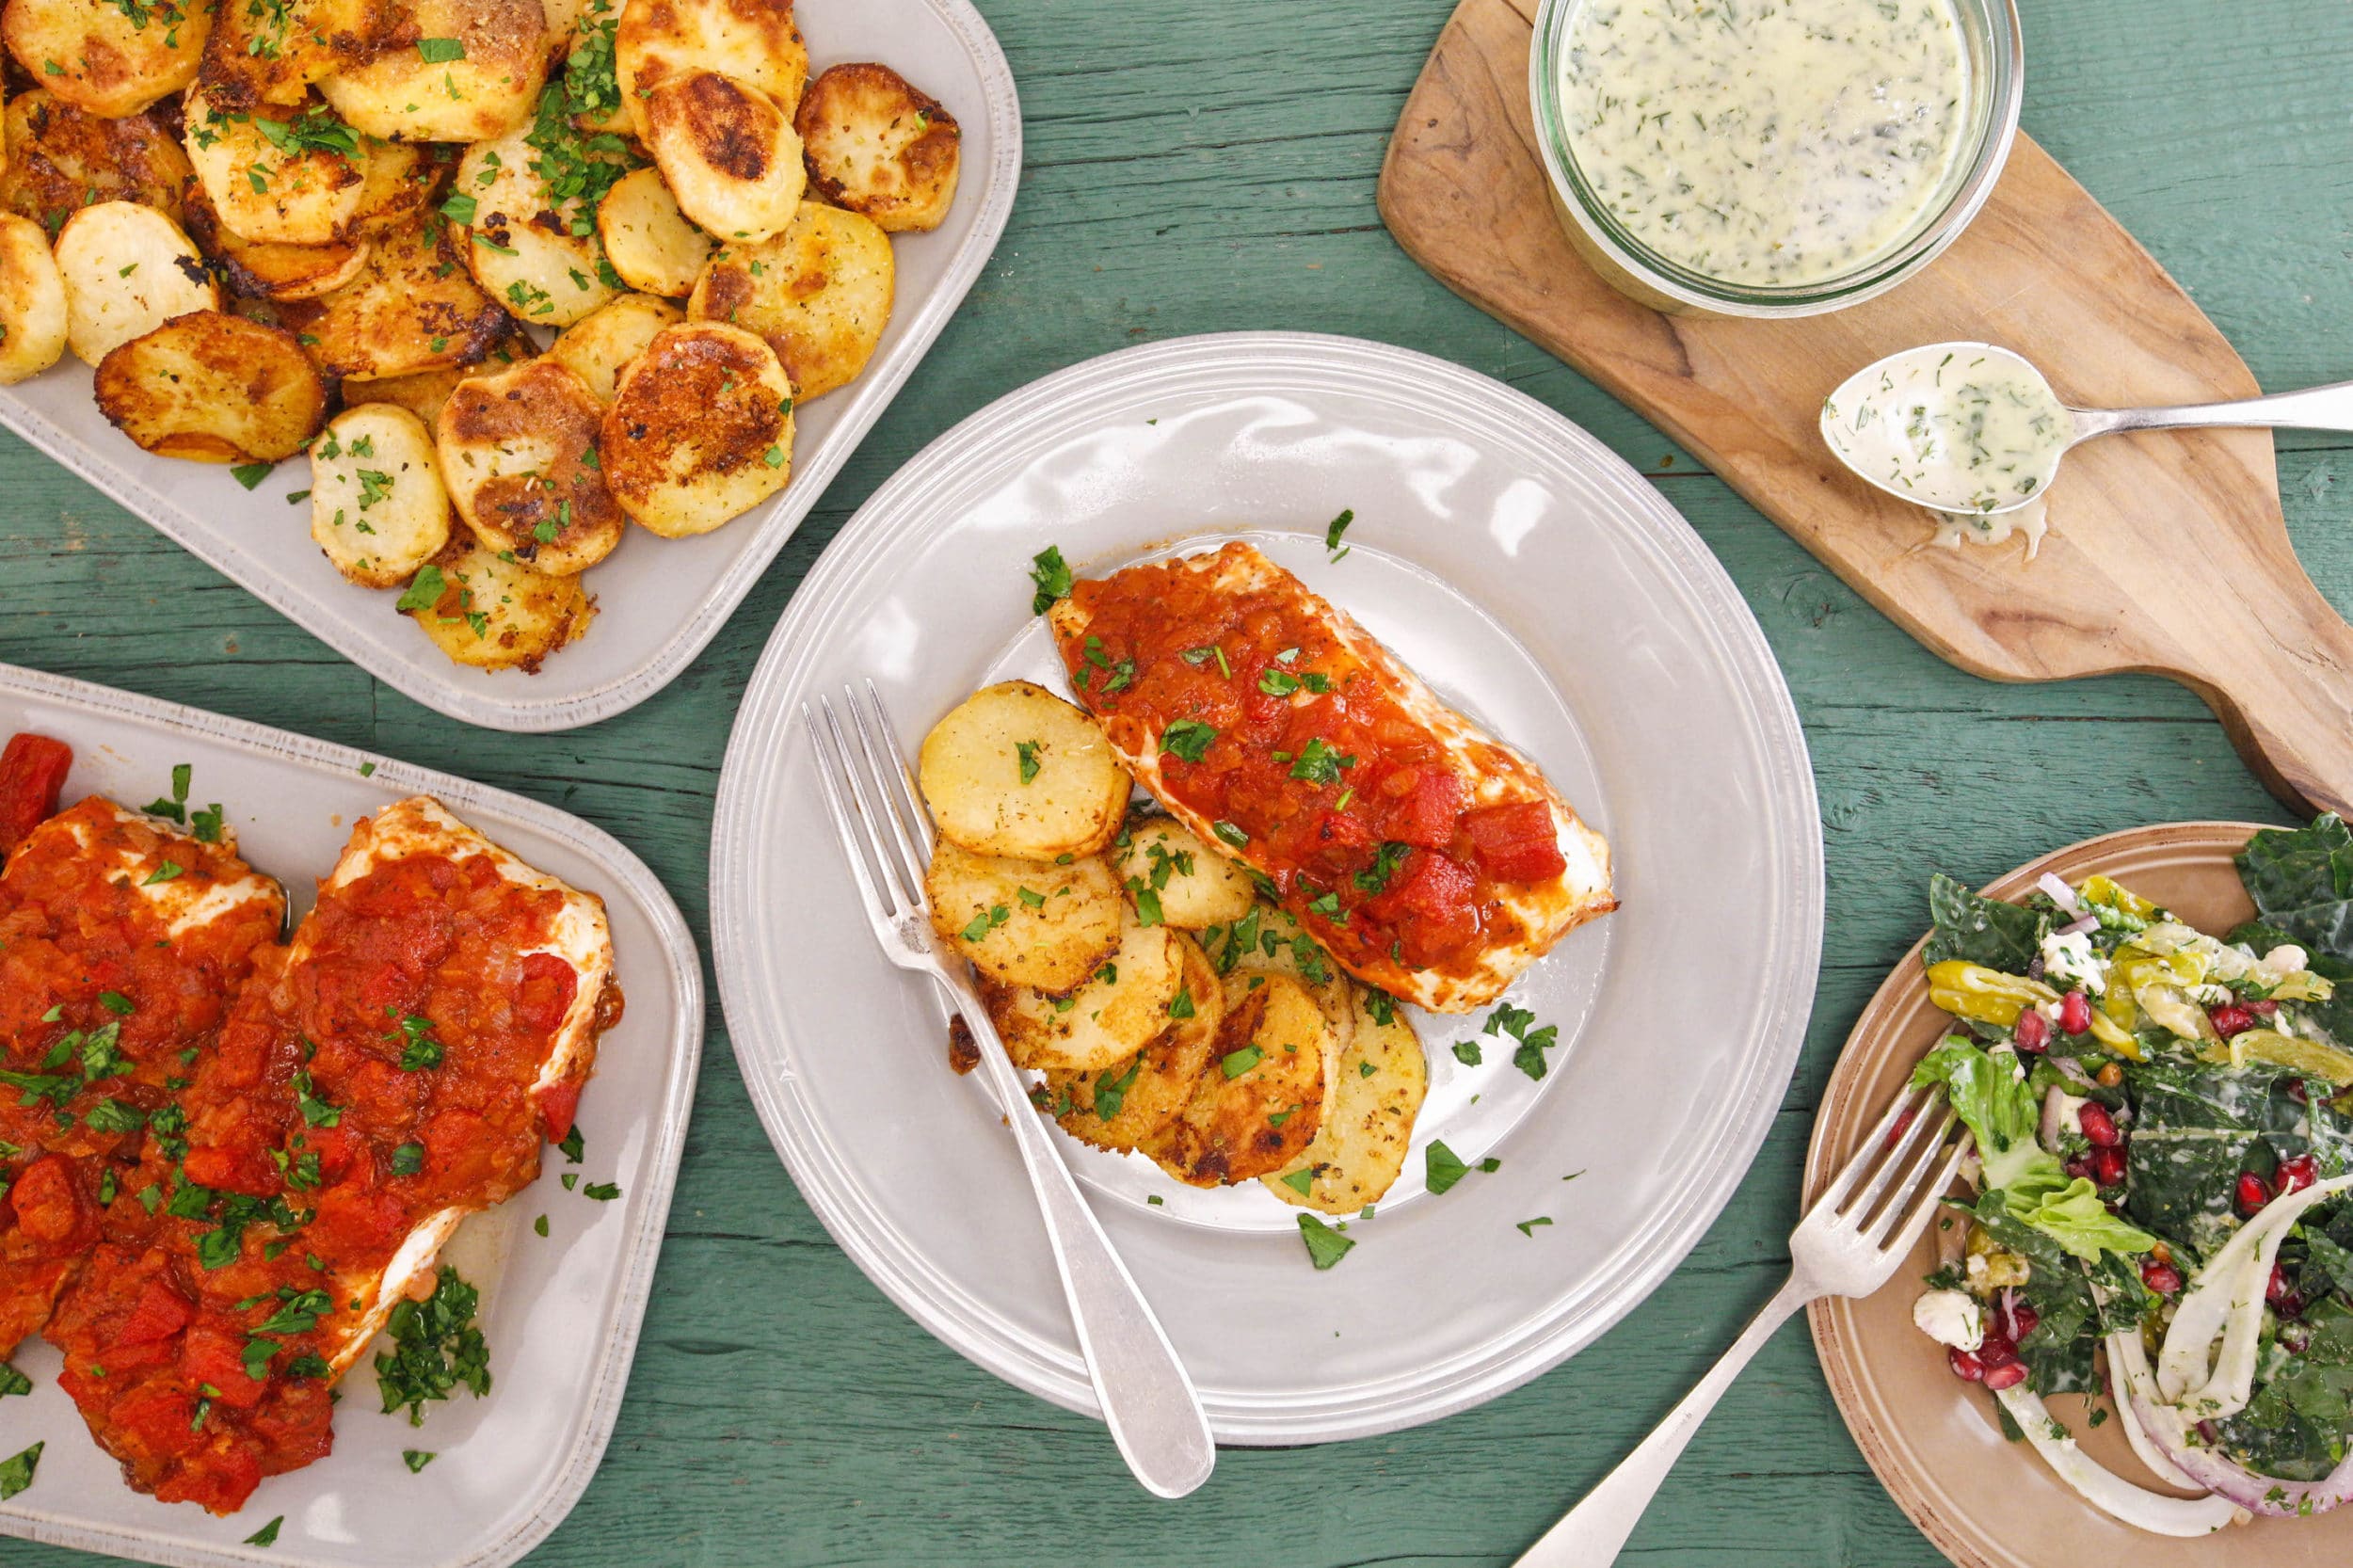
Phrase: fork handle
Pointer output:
(1591, 1534)
(1147, 1399)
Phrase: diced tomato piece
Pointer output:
(1434, 887)
(217, 1356)
(49, 1204)
(1341, 841)
(218, 1481)
(156, 1416)
(353, 1221)
(32, 772)
(160, 1313)
(1425, 815)
(559, 1106)
(233, 1169)
(1517, 843)
(545, 995)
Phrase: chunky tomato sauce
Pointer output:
(379, 1075)
(1308, 761)
(103, 1006)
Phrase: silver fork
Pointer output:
(1849, 1244)
(1147, 1400)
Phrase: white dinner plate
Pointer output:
(561, 1312)
(1541, 586)
(658, 601)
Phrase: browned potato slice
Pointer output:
(378, 508)
(471, 71)
(603, 347)
(1267, 938)
(727, 152)
(820, 293)
(1191, 885)
(493, 613)
(413, 308)
(753, 41)
(518, 456)
(112, 58)
(128, 269)
(32, 308)
(61, 158)
(1121, 1105)
(537, 257)
(424, 392)
(288, 185)
(271, 271)
(647, 239)
(1367, 1118)
(1013, 770)
(215, 389)
(1260, 1100)
(401, 183)
(1122, 1008)
(1022, 923)
(270, 51)
(878, 146)
(700, 430)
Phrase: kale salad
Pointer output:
(2162, 1194)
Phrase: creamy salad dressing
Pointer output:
(1765, 142)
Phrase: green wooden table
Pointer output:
(1207, 167)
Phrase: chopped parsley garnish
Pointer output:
(409, 1160)
(1199, 656)
(425, 589)
(1534, 1043)
(416, 1459)
(1325, 1246)
(1442, 1167)
(573, 1146)
(252, 474)
(1468, 1053)
(183, 775)
(116, 1003)
(169, 871)
(315, 130)
(16, 1474)
(1332, 534)
(1231, 833)
(1053, 577)
(985, 921)
(1111, 1093)
(440, 50)
(1236, 1063)
(1319, 764)
(1182, 1007)
(419, 1050)
(13, 1382)
(1027, 751)
(1375, 877)
(267, 1535)
(1301, 1180)
(601, 1191)
(315, 1112)
(1383, 1007)
(1147, 902)
(435, 1347)
(113, 1115)
(1187, 740)
(1527, 1227)
(1276, 683)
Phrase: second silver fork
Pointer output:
(1148, 1401)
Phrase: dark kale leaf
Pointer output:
(1985, 931)
(2296, 1425)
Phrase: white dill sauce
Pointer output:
(1959, 427)
(1765, 142)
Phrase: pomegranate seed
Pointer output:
(1965, 1367)
(2298, 1174)
(2277, 1291)
(2253, 1193)
(2023, 1320)
(2107, 1167)
(2009, 1375)
(2290, 1306)
(2263, 1009)
(2297, 1091)
(2295, 1337)
(2231, 1019)
(2163, 1278)
(2075, 1013)
(2034, 1032)
(2077, 1167)
(2099, 1126)
(1903, 1124)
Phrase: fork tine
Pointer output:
(1915, 1219)
(1900, 1191)
(1841, 1184)
(1894, 1154)
(829, 762)
(890, 783)
(917, 814)
(897, 899)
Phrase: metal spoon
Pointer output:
(1970, 428)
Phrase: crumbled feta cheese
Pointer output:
(2283, 961)
(2070, 959)
(1950, 1318)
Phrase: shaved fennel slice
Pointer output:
(2128, 1365)
(2227, 1301)
(2208, 1468)
(2104, 1490)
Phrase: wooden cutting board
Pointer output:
(2167, 553)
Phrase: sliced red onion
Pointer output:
(2073, 1071)
(2062, 895)
(2053, 1116)
(2079, 928)
(2208, 1468)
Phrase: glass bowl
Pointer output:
(1995, 63)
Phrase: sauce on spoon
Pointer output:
(1960, 427)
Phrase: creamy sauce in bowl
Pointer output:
(1962, 427)
(1770, 143)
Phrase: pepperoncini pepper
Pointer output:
(1969, 990)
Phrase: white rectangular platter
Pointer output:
(561, 1312)
(659, 600)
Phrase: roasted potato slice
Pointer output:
(128, 269)
(1022, 923)
(413, 308)
(1191, 885)
(700, 430)
(471, 71)
(493, 613)
(1121, 1105)
(400, 183)
(111, 57)
(727, 152)
(1118, 1011)
(603, 347)
(1261, 1099)
(1013, 770)
(269, 52)
(518, 456)
(424, 392)
(878, 146)
(277, 175)
(33, 310)
(61, 158)
(262, 271)
(820, 293)
(213, 388)
(1268, 939)
(377, 507)
(1367, 1117)
(650, 242)
(755, 42)
(535, 255)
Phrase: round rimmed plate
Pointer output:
(1541, 585)
(1935, 1445)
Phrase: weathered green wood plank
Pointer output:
(1211, 167)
